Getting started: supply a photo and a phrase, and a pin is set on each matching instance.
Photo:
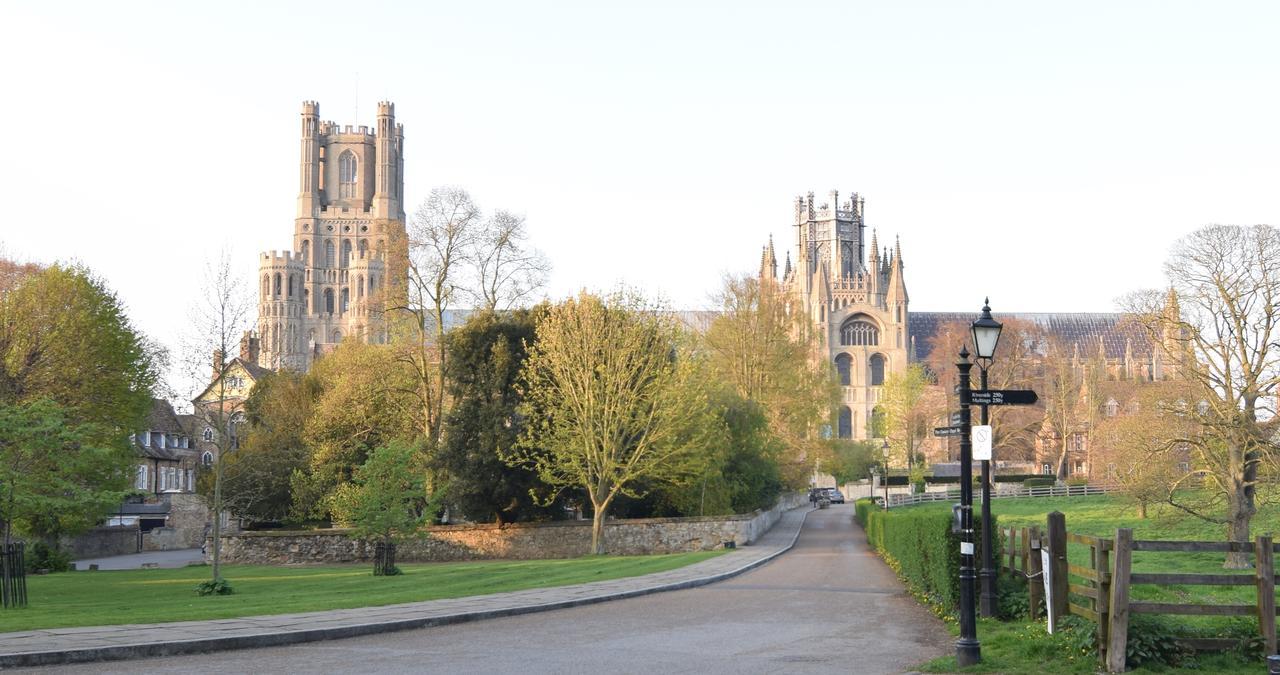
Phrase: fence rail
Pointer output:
(953, 494)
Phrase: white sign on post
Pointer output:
(982, 441)
(1046, 571)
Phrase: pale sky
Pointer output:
(1045, 154)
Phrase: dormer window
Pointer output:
(347, 175)
(1112, 408)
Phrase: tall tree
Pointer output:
(1065, 403)
(759, 346)
(218, 318)
(1139, 438)
(1219, 325)
(613, 395)
(483, 424)
(910, 406)
(388, 499)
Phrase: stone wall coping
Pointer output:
(471, 527)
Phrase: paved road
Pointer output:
(134, 561)
(828, 606)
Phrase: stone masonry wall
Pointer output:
(518, 541)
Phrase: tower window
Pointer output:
(328, 300)
(330, 255)
(844, 364)
(347, 175)
(277, 287)
(306, 252)
(346, 253)
(364, 248)
(845, 427)
(875, 370)
(346, 297)
(858, 332)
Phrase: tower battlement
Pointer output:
(279, 259)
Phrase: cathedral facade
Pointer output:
(854, 297)
(327, 285)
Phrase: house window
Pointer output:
(205, 459)
(208, 435)
(347, 175)
(859, 333)
(141, 482)
(191, 480)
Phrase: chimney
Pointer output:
(249, 346)
(219, 361)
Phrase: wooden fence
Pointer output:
(953, 494)
(1104, 596)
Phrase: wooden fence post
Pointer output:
(1119, 638)
(1102, 565)
(1031, 561)
(1058, 559)
(1265, 567)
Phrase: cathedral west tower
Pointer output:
(854, 297)
(350, 212)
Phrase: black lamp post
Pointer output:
(968, 651)
(986, 335)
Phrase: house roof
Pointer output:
(162, 418)
(1082, 329)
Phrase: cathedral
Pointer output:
(853, 294)
(325, 287)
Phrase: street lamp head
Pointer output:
(986, 333)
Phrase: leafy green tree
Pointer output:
(366, 399)
(760, 348)
(387, 500)
(55, 476)
(483, 423)
(909, 405)
(853, 460)
(614, 395)
(70, 357)
(256, 477)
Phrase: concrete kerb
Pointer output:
(275, 639)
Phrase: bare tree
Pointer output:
(441, 238)
(507, 270)
(217, 320)
(1065, 414)
(1218, 324)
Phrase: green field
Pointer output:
(1022, 646)
(153, 596)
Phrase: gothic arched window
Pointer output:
(266, 285)
(875, 370)
(844, 364)
(329, 255)
(346, 298)
(306, 300)
(364, 249)
(346, 253)
(858, 332)
(347, 175)
(328, 300)
(306, 252)
(291, 285)
(337, 336)
(360, 286)
(845, 428)
(277, 287)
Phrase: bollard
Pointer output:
(1273, 665)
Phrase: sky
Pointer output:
(1044, 154)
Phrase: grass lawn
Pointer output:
(153, 596)
(1023, 646)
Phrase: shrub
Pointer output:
(919, 545)
(214, 587)
(1077, 480)
(43, 557)
(1045, 481)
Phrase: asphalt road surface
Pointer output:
(829, 605)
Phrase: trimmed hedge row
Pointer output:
(919, 545)
(977, 478)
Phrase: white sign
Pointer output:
(1047, 574)
(966, 548)
(982, 441)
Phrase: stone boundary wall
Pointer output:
(516, 541)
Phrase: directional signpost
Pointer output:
(943, 432)
(1001, 397)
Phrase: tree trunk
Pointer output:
(597, 530)
(1240, 511)
(1142, 510)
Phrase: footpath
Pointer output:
(127, 641)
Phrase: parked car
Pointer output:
(835, 496)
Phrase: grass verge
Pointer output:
(156, 596)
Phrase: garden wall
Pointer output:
(565, 539)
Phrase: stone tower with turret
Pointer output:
(855, 298)
(328, 287)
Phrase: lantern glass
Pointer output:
(986, 334)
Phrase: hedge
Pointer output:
(919, 545)
(1040, 481)
(977, 477)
